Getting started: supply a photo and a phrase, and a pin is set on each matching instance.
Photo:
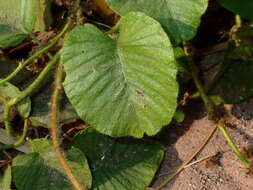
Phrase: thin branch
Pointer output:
(22, 64)
(9, 104)
(182, 167)
(19, 141)
(54, 130)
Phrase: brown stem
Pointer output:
(55, 132)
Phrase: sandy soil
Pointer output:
(224, 173)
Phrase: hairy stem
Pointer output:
(55, 132)
(22, 64)
(233, 146)
(9, 104)
(20, 141)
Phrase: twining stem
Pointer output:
(181, 168)
(209, 106)
(9, 104)
(54, 129)
(233, 146)
(20, 140)
(22, 64)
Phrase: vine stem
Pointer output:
(209, 106)
(182, 167)
(19, 141)
(22, 64)
(55, 132)
(9, 104)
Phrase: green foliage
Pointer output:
(42, 170)
(26, 16)
(124, 164)
(123, 83)
(41, 101)
(7, 90)
(241, 7)
(180, 18)
(235, 83)
(124, 86)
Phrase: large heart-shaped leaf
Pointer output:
(180, 18)
(122, 87)
(125, 164)
(18, 18)
(42, 170)
(241, 7)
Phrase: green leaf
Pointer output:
(179, 115)
(124, 164)
(241, 7)
(10, 36)
(180, 18)
(41, 112)
(7, 90)
(5, 182)
(36, 15)
(42, 170)
(18, 18)
(122, 87)
(234, 84)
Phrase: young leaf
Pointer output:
(243, 8)
(5, 181)
(42, 170)
(7, 90)
(180, 18)
(125, 86)
(124, 164)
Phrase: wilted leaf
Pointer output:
(122, 87)
(180, 18)
(42, 170)
(243, 8)
(124, 164)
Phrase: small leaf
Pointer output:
(7, 90)
(179, 115)
(124, 164)
(122, 87)
(42, 170)
(243, 8)
(5, 182)
(180, 18)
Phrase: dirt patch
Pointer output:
(226, 173)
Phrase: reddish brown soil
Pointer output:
(226, 173)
